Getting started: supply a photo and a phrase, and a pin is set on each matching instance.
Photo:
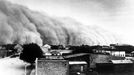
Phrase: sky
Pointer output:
(114, 15)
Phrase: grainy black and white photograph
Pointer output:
(66, 37)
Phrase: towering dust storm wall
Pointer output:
(18, 24)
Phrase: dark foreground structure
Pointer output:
(75, 67)
(52, 67)
(116, 69)
(98, 61)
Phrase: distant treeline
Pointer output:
(84, 48)
(61, 47)
(87, 48)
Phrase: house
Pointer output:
(113, 52)
(118, 53)
(121, 61)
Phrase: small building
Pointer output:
(118, 53)
(112, 52)
(121, 61)
(51, 67)
(132, 53)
